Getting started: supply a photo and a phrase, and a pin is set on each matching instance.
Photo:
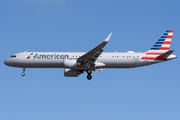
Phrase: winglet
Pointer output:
(108, 37)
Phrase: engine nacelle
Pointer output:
(71, 63)
(72, 72)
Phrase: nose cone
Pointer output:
(7, 61)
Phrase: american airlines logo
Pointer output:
(51, 56)
(29, 56)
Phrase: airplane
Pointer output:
(75, 63)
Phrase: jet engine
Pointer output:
(71, 63)
(72, 72)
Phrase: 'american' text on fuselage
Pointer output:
(51, 56)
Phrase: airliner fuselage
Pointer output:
(57, 59)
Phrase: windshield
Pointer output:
(13, 56)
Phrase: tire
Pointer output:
(89, 77)
(23, 74)
(89, 71)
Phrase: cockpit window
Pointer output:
(13, 56)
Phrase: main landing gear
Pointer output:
(89, 76)
(23, 73)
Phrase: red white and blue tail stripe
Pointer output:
(160, 47)
(164, 41)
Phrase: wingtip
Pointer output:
(110, 34)
(108, 37)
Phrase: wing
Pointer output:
(90, 57)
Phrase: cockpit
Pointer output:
(11, 61)
(13, 56)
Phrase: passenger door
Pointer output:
(23, 56)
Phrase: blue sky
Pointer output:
(145, 93)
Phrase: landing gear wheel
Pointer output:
(89, 71)
(89, 77)
(23, 74)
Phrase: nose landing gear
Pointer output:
(23, 73)
(89, 76)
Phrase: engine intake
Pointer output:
(71, 63)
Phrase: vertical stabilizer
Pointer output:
(160, 47)
(164, 41)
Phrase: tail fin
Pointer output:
(164, 41)
(160, 50)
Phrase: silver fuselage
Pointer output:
(56, 60)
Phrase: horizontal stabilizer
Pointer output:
(166, 54)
